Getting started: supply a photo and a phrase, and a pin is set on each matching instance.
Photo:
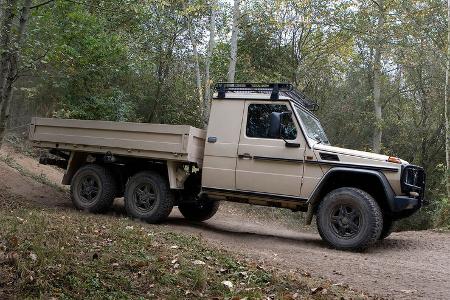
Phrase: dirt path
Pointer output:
(408, 265)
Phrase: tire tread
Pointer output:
(375, 227)
(165, 206)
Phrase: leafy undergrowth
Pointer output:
(65, 254)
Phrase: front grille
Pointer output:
(413, 180)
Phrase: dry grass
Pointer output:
(66, 254)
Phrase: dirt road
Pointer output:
(408, 265)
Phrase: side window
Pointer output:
(258, 121)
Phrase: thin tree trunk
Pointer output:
(378, 131)
(1, 12)
(212, 33)
(5, 61)
(5, 43)
(233, 43)
(12, 69)
(447, 83)
(198, 78)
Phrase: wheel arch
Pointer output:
(371, 181)
(76, 160)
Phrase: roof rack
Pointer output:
(275, 90)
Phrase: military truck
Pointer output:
(263, 146)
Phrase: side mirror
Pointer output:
(276, 126)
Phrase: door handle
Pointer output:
(245, 156)
(212, 139)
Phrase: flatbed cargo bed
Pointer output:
(154, 141)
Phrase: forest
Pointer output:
(377, 69)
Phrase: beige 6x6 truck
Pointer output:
(263, 146)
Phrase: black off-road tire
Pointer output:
(192, 206)
(100, 195)
(160, 198)
(388, 226)
(199, 211)
(365, 217)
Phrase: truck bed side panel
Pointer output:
(160, 141)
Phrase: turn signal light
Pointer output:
(394, 160)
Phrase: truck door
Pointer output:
(266, 165)
(222, 139)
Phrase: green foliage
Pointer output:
(114, 107)
(91, 64)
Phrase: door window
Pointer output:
(258, 121)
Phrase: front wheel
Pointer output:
(148, 197)
(349, 219)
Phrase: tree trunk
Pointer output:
(1, 12)
(378, 131)
(11, 64)
(198, 78)
(212, 33)
(5, 60)
(5, 43)
(233, 43)
(447, 83)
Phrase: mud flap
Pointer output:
(309, 214)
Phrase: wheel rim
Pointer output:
(144, 197)
(89, 189)
(346, 221)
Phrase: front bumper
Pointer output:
(406, 203)
(405, 206)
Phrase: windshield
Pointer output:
(312, 126)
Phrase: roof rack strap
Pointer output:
(221, 91)
(275, 92)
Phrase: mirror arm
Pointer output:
(289, 144)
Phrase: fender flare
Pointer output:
(315, 198)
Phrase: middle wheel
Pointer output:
(148, 197)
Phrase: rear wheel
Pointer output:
(148, 197)
(93, 188)
(192, 206)
(349, 219)
(388, 226)
(199, 211)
